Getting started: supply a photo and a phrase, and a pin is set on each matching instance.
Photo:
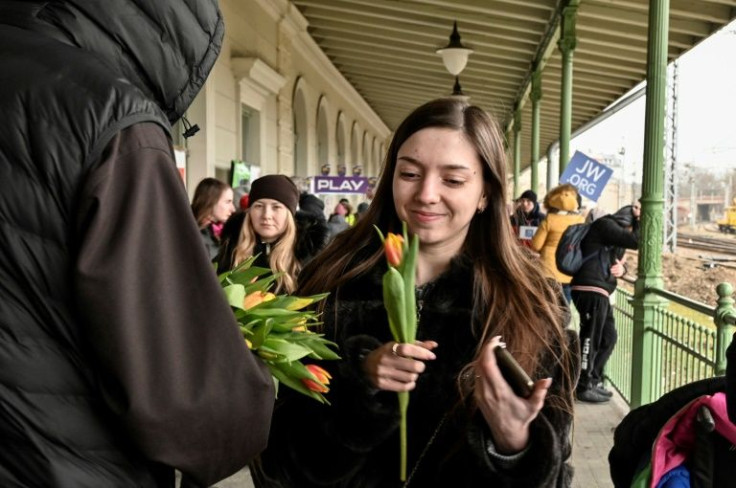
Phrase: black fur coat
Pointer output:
(354, 442)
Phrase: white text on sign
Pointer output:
(346, 185)
(586, 177)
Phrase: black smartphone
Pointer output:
(513, 373)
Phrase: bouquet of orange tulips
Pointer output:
(400, 302)
(278, 329)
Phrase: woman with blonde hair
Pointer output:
(445, 176)
(270, 230)
(561, 203)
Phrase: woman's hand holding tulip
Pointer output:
(399, 370)
(508, 416)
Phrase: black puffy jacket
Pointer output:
(74, 74)
(605, 242)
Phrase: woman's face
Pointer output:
(268, 217)
(224, 208)
(526, 205)
(438, 187)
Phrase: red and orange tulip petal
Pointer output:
(323, 379)
(394, 248)
(314, 386)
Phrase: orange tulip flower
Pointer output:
(323, 379)
(394, 248)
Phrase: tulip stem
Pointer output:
(403, 407)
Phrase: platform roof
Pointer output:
(386, 49)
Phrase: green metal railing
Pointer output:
(682, 350)
(618, 368)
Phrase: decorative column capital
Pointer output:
(536, 92)
(568, 36)
(517, 121)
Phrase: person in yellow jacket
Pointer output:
(561, 203)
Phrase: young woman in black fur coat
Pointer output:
(445, 176)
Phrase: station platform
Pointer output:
(593, 439)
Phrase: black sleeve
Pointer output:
(173, 367)
(614, 235)
(546, 462)
(731, 380)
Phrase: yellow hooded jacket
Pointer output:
(550, 231)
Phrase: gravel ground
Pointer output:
(694, 273)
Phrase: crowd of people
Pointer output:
(112, 317)
(590, 288)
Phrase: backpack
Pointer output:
(568, 255)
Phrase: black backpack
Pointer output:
(569, 256)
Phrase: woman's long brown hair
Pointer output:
(510, 289)
(206, 196)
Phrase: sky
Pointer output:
(706, 113)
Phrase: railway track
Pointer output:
(704, 243)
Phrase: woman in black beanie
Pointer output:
(266, 229)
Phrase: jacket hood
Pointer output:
(166, 48)
(562, 197)
(624, 216)
(565, 200)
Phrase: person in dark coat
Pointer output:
(337, 222)
(212, 205)
(527, 216)
(446, 178)
(312, 231)
(120, 358)
(731, 379)
(635, 435)
(603, 249)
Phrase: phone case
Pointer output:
(513, 373)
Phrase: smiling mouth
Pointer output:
(426, 216)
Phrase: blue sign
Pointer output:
(587, 175)
(340, 184)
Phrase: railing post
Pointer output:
(725, 318)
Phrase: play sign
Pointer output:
(340, 184)
(587, 175)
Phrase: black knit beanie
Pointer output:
(276, 187)
(529, 195)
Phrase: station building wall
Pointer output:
(275, 101)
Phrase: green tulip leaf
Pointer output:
(235, 295)
(291, 351)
